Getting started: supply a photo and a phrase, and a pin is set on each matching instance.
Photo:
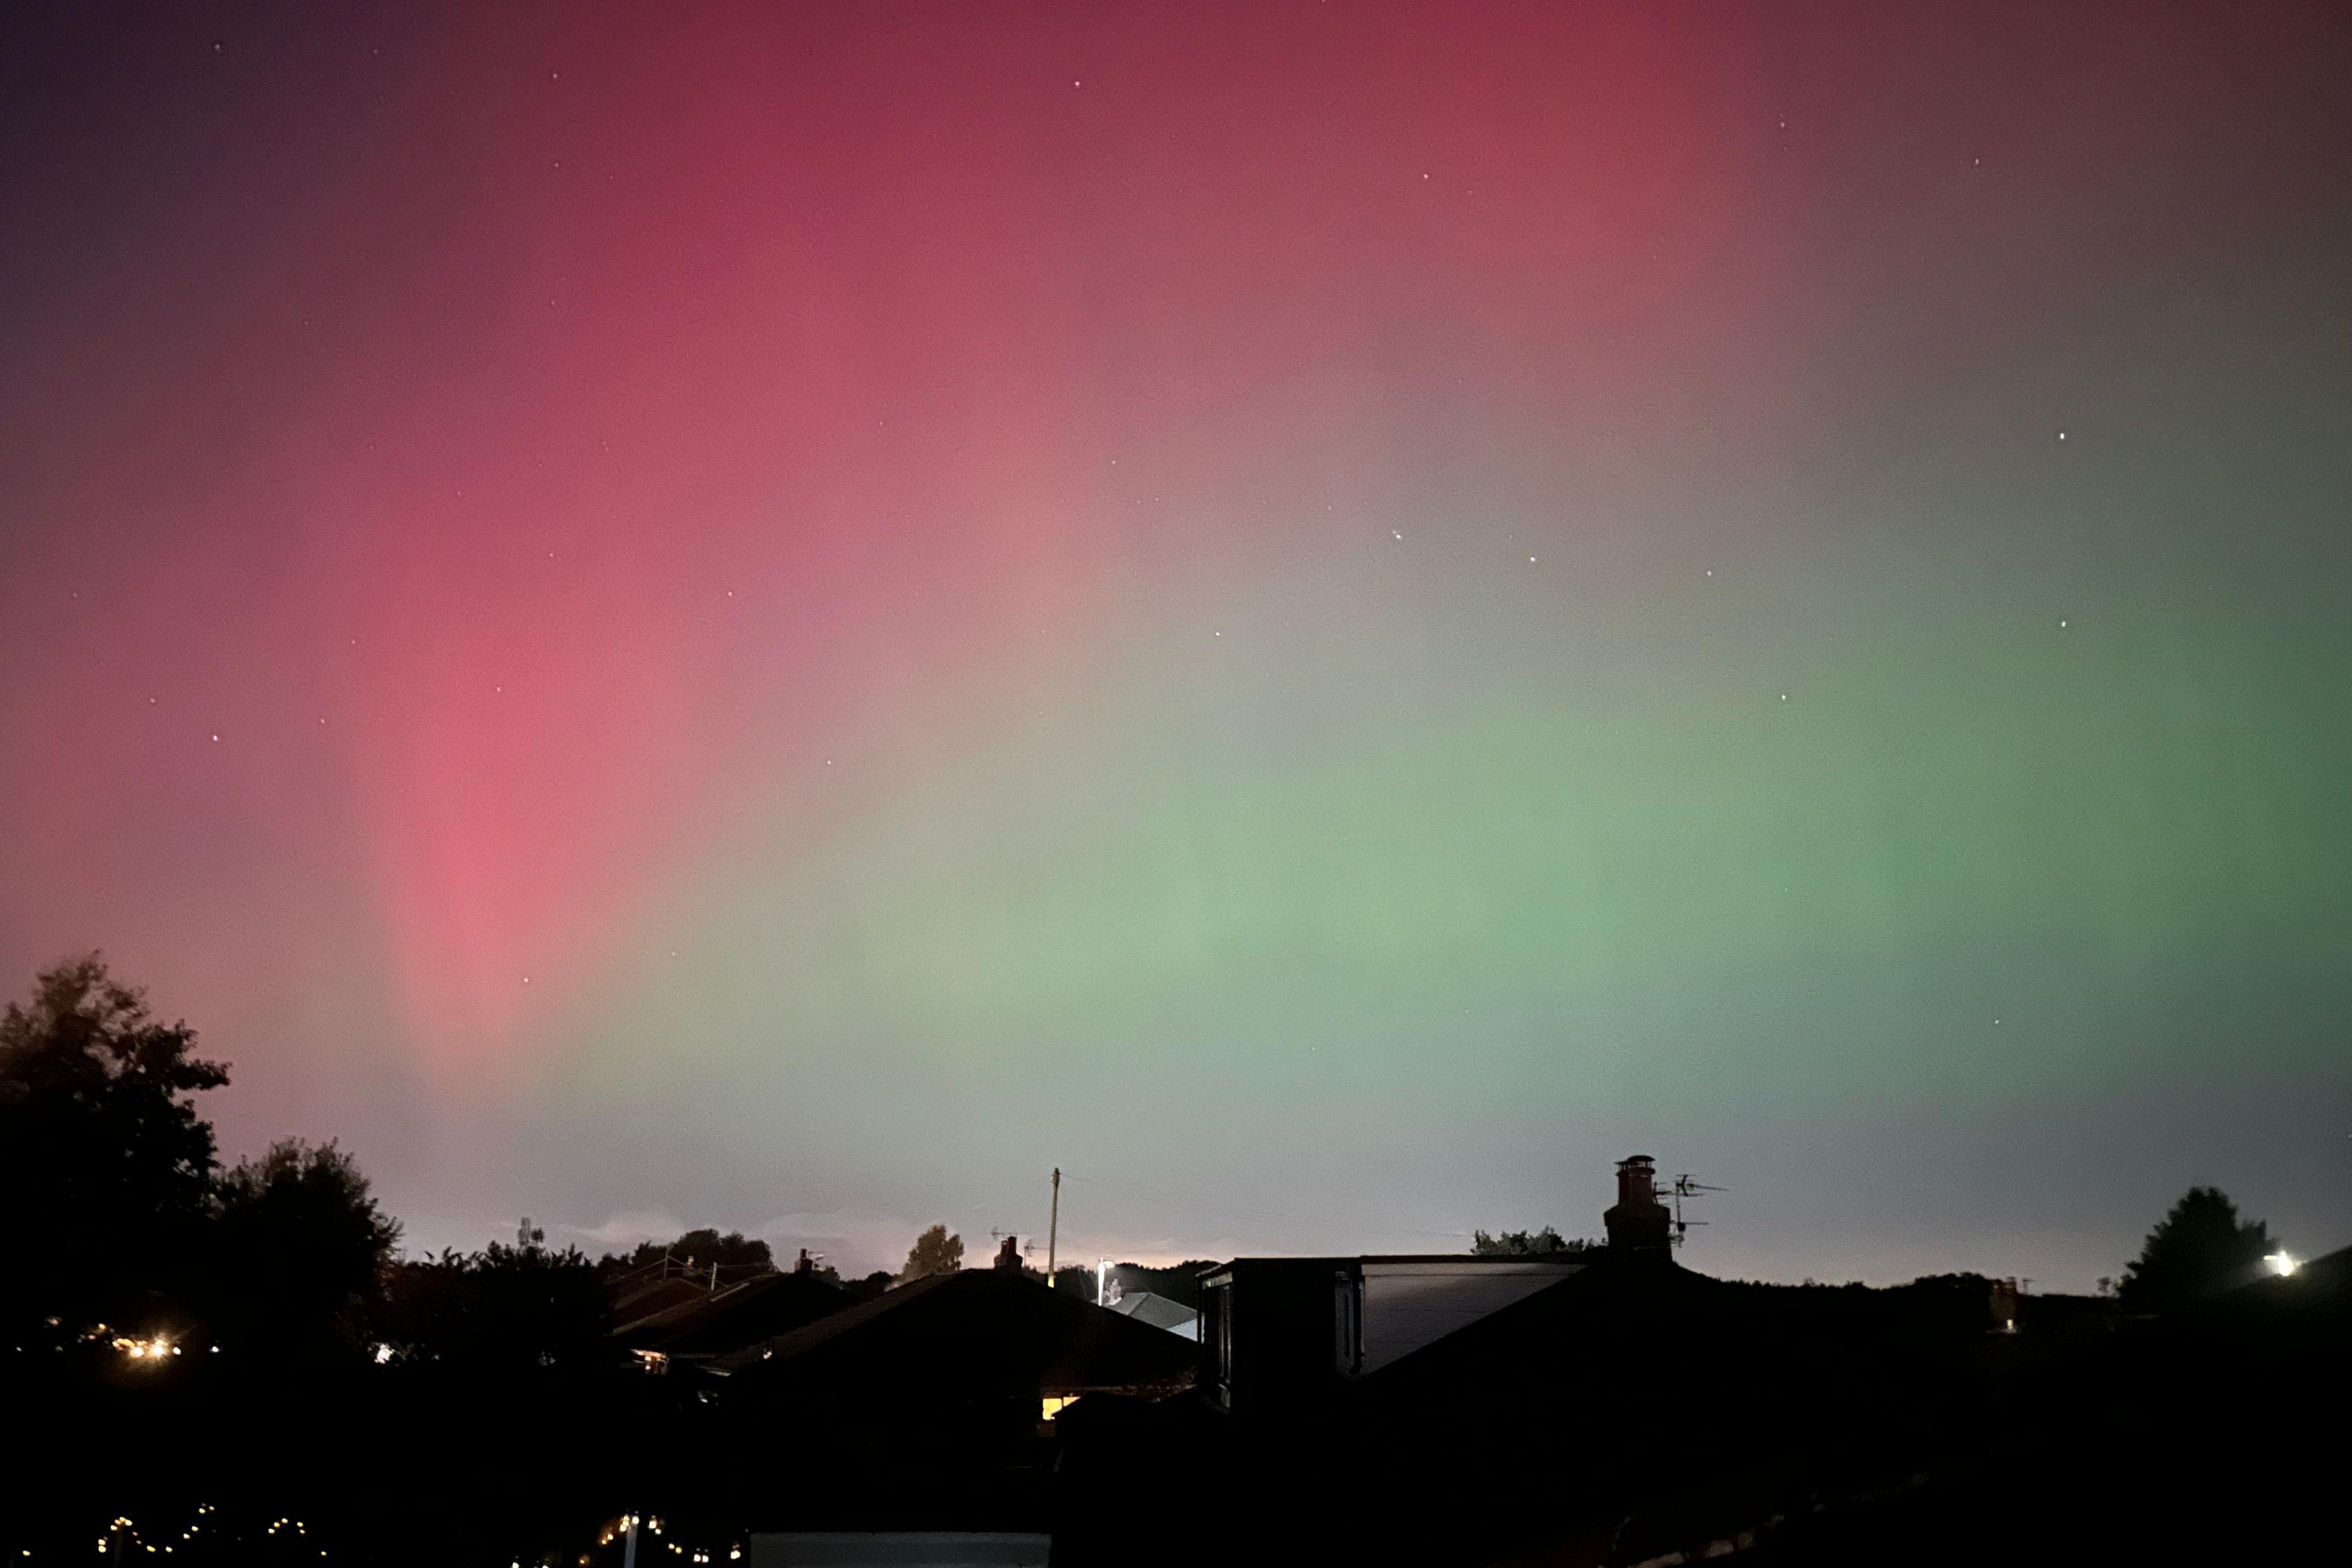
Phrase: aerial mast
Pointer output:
(1054, 1225)
(1688, 1187)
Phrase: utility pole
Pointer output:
(1054, 1225)
(629, 1551)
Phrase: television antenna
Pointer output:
(1687, 1186)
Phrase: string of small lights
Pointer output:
(616, 1531)
(206, 1535)
(122, 1538)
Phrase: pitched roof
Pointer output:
(984, 1328)
(1552, 1331)
(637, 1303)
(1158, 1310)
(751, 1312)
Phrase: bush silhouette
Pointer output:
(2199, 1247)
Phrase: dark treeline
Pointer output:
(1544, 1243)
(732, 1253)
(236, 1362)
(132, 1231)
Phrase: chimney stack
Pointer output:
(1638, 1224)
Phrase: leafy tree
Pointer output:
(871, 1285)
(1544, 1243)
(735, 1253)
(106, 1164)
(298, 1251)
(532, 1305)
(504, 1307)
(934, 1252)
(2199, 1247)
(732, 1251)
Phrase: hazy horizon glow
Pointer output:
(785, 617)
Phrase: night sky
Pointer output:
(1329, 616)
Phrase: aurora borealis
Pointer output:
(1329, 616)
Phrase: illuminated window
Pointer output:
(1055, 1404)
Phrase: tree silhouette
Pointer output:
(104, 1160)
(1544, 1243)
(504, 1308)
(934, 1252)
(735, 1253)
(2199, 1247)
(732, 1251)
(298, 1251)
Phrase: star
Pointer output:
(215, 737)
(2061, 434)
(2062, 623)
(1711, 571)
(1784, 697)
(1394, 535)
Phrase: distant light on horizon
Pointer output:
(2282, 1263)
